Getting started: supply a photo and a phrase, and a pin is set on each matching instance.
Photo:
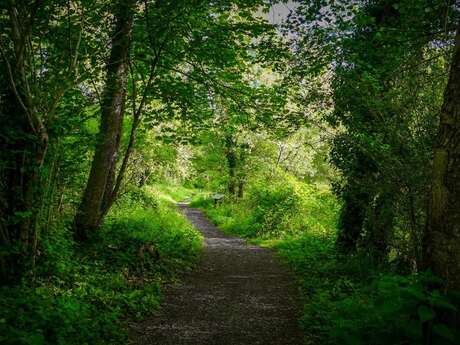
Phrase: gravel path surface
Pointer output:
(239, 294)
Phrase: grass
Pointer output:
(172, 193)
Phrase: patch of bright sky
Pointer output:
(278, 12)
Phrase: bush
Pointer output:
(275, 210)
(395, 309)
(39, 316)
(346, 301)
(163, 239)
(85, 295)
(283, 208)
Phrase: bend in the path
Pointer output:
(239, 294)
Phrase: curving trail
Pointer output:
(239, 294)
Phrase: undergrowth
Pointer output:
(85, 295)
(347, 300)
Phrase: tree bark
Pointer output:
(352, 217)
(381, 222)
(231, 162)
(442, 238)
(23, 149)
(102, 175)
(240, 189)
(112, 193)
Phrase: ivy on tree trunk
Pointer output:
(99, 188)
(442, 240)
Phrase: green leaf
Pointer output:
(425, 314)
(441, 301)
(23, 214)
(414, 329)
(444, 331)
(415, 292)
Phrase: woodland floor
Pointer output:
(238, 294)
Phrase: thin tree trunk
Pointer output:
(414, 235)
(442, 238)
(240, 189)
(102, 175)
(231, 161)
(113, 188)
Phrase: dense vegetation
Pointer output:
(81, 295)
(333, 137)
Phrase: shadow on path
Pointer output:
(238, 294)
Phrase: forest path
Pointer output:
(238, 294)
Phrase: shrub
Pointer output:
(346, 301)
(84, 295)
(395, 309)
(282, 208)
(275, 210)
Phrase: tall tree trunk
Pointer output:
(23, 146)
(102, 175)
(22, 154)
(352, 217)
(241, 178)
(381, 223)
(442, 238)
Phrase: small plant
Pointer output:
(395, 309)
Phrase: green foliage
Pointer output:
(364, 84)
(386, 79)
(47, 315)
(170, 238)
(172, 193)
(285, 207)
(394, 309)
(85, 295)
(275, 209)
(348, 302)
(346, 299)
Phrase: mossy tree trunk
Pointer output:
(23, 145)
(99, 188)
(442, 240)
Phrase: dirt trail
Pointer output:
(239, 294)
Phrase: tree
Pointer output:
(99, 189)
(442, 240)
(40, 64)
(387, 81)
(174, 61)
